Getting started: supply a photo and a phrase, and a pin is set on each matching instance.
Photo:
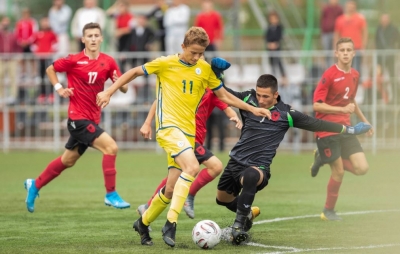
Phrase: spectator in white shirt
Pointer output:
(90, 12)
(176, 21)
(59, 17)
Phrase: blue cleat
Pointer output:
(113, 199)
(32, 193)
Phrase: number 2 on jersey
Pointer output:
(184, 86)
(92, 77)
(345, 96)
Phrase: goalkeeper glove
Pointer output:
(358, 129)
(219, 65)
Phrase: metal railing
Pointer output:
(31, 121)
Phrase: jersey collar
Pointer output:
(97, 57)
(185, 63)
(342, 70)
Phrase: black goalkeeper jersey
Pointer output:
(260, 137)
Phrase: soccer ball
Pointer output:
(206, 234)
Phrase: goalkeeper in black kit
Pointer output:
(248, 170)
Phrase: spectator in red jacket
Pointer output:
(43, 46)
(25, 28)
(211, 21)
(8, 45)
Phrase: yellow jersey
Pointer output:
(180, 87)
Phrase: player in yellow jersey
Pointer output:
(181, 83)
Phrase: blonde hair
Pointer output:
(196, 35)
(344, 40)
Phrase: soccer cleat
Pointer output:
(248, 223)
(32, 193)
(189, 206)
(239, 235)
(113, 199)
(143, 232)
(316, 164)
(168, 232)
(329, 215)
(141, 209)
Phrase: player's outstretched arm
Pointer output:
(146, 127)
(305, 122)
(324, 108)
(360, 115)
(103, 98)
(233, 116)
(231, 100)
(52, 75)
(123, 88)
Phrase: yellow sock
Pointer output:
(181, 191)
(157, 206)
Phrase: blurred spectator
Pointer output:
(8, 67)
(90, 12)
(176, 21)
(329, 14)
(352, 24)
(140, 38)
(124, 21)
(211, 21)
(387, 37)
(44, 44)
(25, 28)
(381, 87)
(59, 17)
(273, 38)
(158, 13)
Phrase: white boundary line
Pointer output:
(288, 249)
(317, 215)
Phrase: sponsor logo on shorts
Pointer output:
(200, 150)
(180, 143)
(328, 152)
(91, 128)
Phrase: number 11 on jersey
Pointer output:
(190, 84)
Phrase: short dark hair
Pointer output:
(91, 25)
(268, 81)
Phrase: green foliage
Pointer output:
(70, 216)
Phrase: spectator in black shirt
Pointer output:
(248, 169)
(273, 38)
(387, 37)
(158, 14)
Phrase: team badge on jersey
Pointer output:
(180, 143)
(198, 71)
(275, 116)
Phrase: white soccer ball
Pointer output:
(206, 234)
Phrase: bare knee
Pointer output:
(192, 169)
(215, 169)
(68, 162)
(111, 149)
(361, 170)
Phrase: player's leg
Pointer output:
(187, 161)
(210, 172)
(143, 207)
(331, 154)
(107, 145)
(72, 153)
(353, 156)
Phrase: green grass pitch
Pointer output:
(70, 215)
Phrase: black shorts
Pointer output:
(26, 49)
(230, 178)
(332, 147)
(202, 153)
(83, 133)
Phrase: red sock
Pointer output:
(159, 187)
(348, 166)
(333, 193)
(109, 172)
(52, 170)
(201, 180)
